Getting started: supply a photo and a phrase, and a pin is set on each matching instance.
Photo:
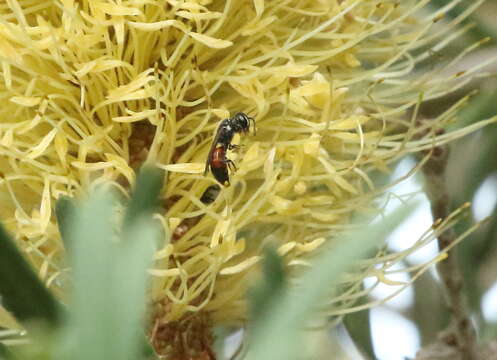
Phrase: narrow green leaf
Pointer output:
(109, 282)
(3, 352)
(147, 350)
(278, 334)
(429, 311)
(147, 189)
(359, 328)
(23, 294)
(64, 211)
(91, 240)
(270, 289)
(130, 275)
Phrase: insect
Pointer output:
(219, 165)
(217, 160)
(210, 194)
(229, 127)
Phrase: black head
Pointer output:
(241, 122)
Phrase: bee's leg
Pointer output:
(231, 165)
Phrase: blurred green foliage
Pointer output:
(287, 312)
(106, 315)
(105, 319)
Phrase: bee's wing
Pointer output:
(211, 151)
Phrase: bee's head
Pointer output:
(243, 121)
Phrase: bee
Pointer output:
(217, 160)
(210, 194)
(229, 127)
(219, 165)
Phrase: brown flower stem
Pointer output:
(462, 330)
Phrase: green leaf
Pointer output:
(144, 199)
(3, 352)
(109, 281)
(278, 334)
(146, 349)
(428, 311)
(270, 289)
(23, 294)
(64, 211)
(359, 328)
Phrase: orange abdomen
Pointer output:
(218, 157)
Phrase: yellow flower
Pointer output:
(93, 89)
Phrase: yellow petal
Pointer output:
(293, 70)
(7, 75)
(122, 166)
(8, 138)
(43, 145)
(259, 7)
(119, 10)
(98, 65)
(164, 253)
(174, 222)
(136, 116)
(187, 168)
(210, 41)
(284, 206)
(198, 16)
(311, 245)
(344, 184)
(156, 26)
(311, 147)
(269, 163)
(286, 248)
(9, 52)
(221, 113)
(189, 5)
(164, 273)
(220, 230)
(349, 123)
(244, 265)
(91, 166)
(61, 146)
(300, 188)
(26, 101)
(138, 83)
(325, 217)
(45, 206)
(257, 26)
(383, 279)
(352, 61)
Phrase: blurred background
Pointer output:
(412, 319)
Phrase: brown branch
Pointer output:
(461, 333)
